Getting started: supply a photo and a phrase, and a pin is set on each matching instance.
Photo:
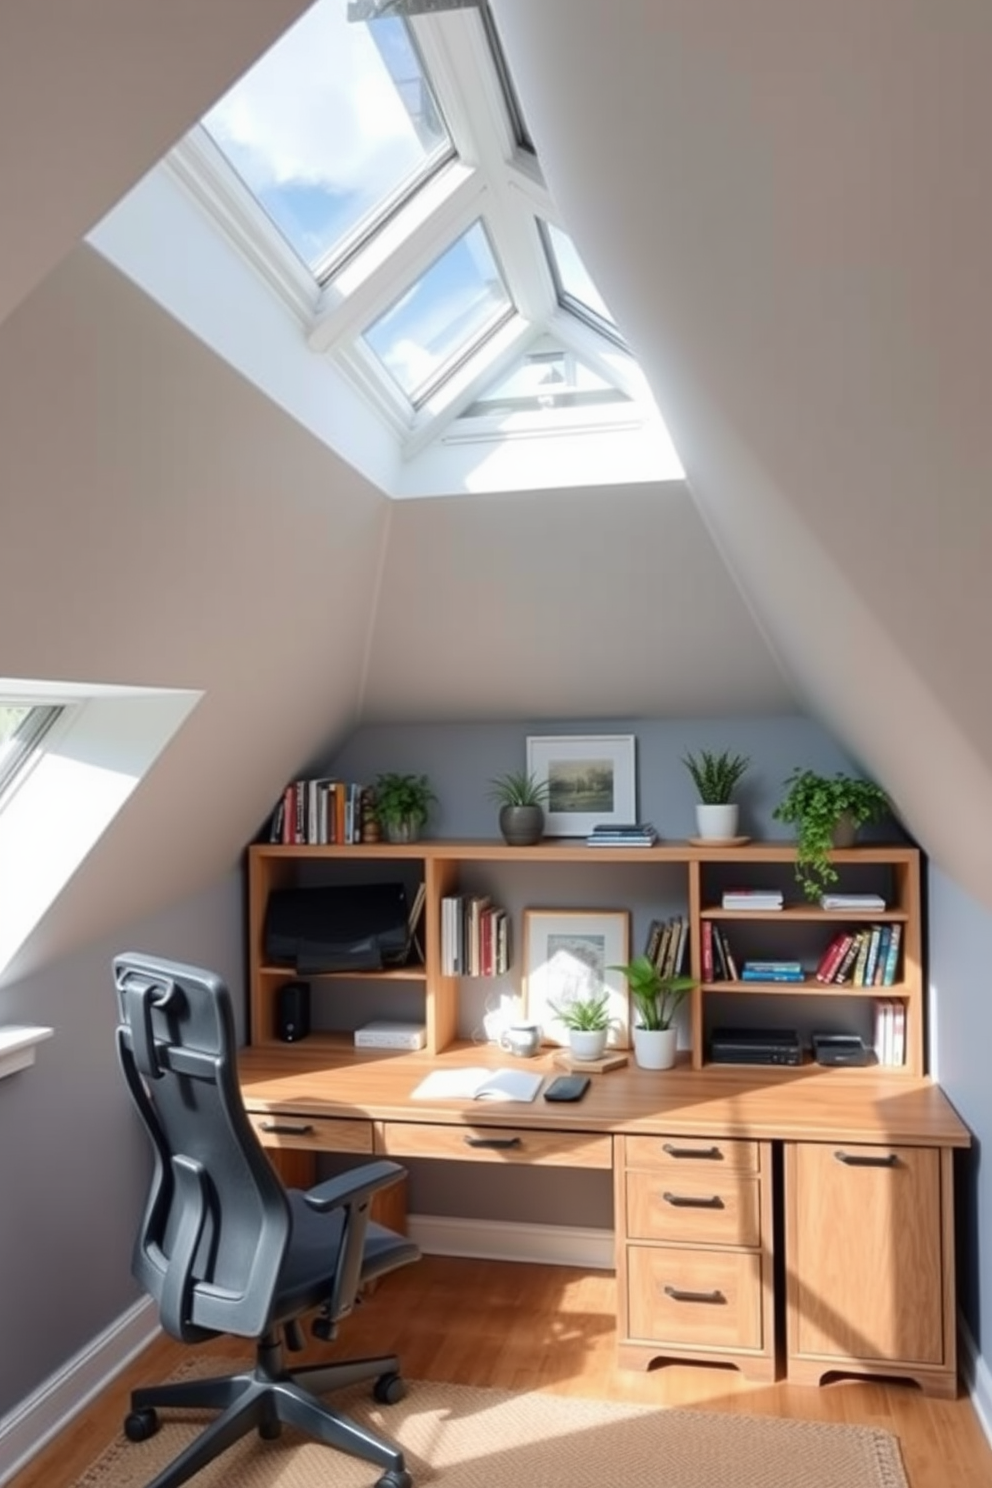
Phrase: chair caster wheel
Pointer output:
(139, 1425)
(401, 1479)
(322, 1327)
(388, 1389)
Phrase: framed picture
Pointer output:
(590, 780)
(567, 955)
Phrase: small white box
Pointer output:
(381, 1034)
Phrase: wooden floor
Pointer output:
(528, 1327)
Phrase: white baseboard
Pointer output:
(499, 1240)
(977, 1377)
(61, 1397)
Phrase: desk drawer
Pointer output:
(502, 1144)
(697, 1298)
(311, 1133)
(676, 1206)
(698, 1155)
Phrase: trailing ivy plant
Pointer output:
(716, 775)
(814, 804)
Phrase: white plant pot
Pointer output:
(654, 1048)
(717, 823)
(587, 1045)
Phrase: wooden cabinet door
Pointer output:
(864, 1253)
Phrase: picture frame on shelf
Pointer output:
(570, 954)
(591, 780)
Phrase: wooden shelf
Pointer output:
(443, 867)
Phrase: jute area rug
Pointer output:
(457, 1436)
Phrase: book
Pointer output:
(832, 956)
(892, 956)
(752, 899)
(471, 1083)
(852, 901)
(643, 835)
(848, 959)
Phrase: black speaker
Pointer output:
(293, 1012)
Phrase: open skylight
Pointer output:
(379, 176)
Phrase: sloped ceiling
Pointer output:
(785, 203)
(92, 95)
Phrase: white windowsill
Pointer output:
(17, 1047)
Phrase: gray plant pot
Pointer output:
(521, 826)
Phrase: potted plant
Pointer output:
(588, 1022)
(402, 805)
(521, 798)
(827, 811)
(715, 777)
(656, 1000)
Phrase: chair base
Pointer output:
(264, 1398)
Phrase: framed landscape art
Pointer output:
(590, 779)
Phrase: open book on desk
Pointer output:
(478, 1084)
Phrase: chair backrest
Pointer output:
(217, 1221)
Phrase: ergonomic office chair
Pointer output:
(225, 1248)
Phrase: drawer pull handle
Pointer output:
(286, 1129)
(864, 1160)
(498, 1144)
(711, 1154)
(677, 1295)
(679, 1201)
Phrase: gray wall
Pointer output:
(960, 1041)
(73, 1159)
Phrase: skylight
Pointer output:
(445, 314)
(332, 130)
(379, 182)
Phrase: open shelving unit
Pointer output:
(803, 928)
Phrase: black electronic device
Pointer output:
(567, 1088)
(293, 1012)
(840, 1048)
(755, 1046)
(337, 927)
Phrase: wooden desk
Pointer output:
(858, 1164)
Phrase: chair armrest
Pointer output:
(359, 1184)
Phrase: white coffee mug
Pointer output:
(521, 1039)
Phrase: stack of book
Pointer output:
(868, 957)
(623, 834)
(665, 946)
(719, 964)
(870, 902)
(772, 971)
(752, 899)
(475, 937)
(890, 1031)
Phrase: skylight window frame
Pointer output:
(26, 745)
(570, 303)
(426, 390)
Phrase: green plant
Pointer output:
(402, 798)
(590, 1014)
(518, 788)
(814, 804)
(715, 775)
(656, 998)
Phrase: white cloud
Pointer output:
(320, 108)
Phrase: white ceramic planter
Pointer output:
(717, 823)
(587, 1045)
(654, 1048)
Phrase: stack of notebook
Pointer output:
(626, 834)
